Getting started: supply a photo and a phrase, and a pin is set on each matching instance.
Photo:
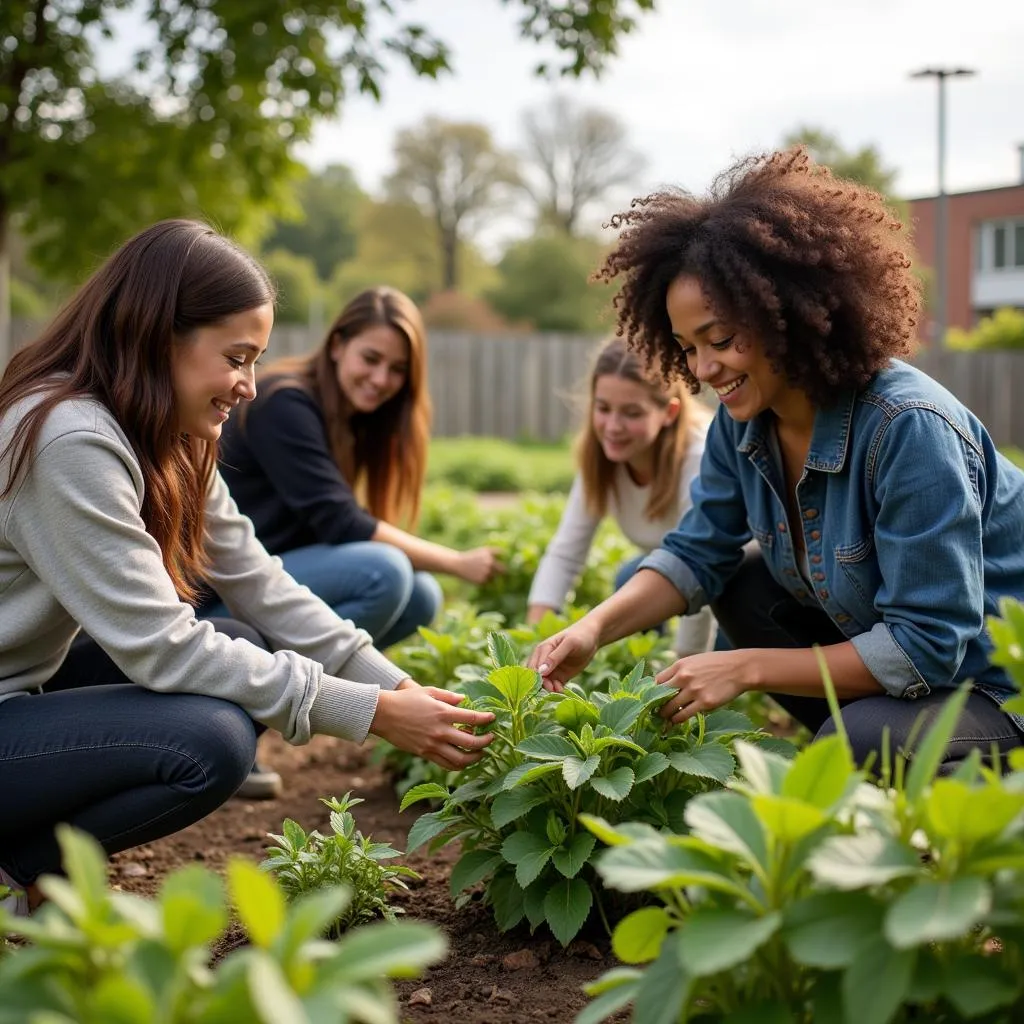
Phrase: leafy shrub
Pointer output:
(494, 464)
(1003, 330)
(99, 957)
(554, 756)
(804, 893)
(304, 863)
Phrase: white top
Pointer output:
(74, 552)
(566, 555)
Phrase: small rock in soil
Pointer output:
(584, 949)
(421, 997)
(483, 959)
(501, 995)
(520, 959)
(132, 870)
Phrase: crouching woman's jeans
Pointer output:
(113, 759)
(755, 611)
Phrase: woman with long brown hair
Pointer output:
(328, 463)
(638, 451)
(112, 515)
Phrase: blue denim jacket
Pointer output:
(913, 525)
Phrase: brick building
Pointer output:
(985, 236)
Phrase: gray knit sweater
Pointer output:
(74, 553)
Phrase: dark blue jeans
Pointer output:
(755, 611)
(120, 762)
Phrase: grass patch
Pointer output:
(494, 464)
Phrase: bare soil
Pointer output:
(488, 978)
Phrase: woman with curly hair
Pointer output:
(888, 525)
(638, 452)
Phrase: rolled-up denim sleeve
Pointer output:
(705, 549)
(929, 483)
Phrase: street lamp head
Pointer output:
(942, 73)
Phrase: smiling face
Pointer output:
(371, 366)
(212, 370)
(627, 420)
(721, 356)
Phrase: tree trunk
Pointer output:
(6, 339)
(450, 246)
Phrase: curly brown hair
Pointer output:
(808, 263)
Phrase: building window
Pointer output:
(999, 245)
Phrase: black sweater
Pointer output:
(280, 471)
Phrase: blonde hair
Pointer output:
(598, 472)
(382, 454)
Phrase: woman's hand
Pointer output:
(704, 681)
(423, 721)
(478, 565)
(565, 654)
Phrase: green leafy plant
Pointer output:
(805, 893)
(100, 957)
(555, 756)
(307, 862)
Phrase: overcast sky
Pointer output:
(703, 81)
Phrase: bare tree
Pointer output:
(573, 156)
(452, 172)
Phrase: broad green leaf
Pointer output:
(616, 785)
(425, 828)
(655, 863)
(396, 949)
(576, 771)
(566, 908)
(762, 1013)
(192, 907)
(424, 791)
(524, 774)
(271, 993)
(85, 863)
(763, 771)
(876, 983)
(473, 867)
(727, 820)
(929, 752)
(555, 829)
(649, 766)
(710, 761)
(515, 684)
(441, 642)
(829, 929)
(620, 714)
(604, 742)
(506, 896)
(786, 819)
(614, 978)
(631, 681)
(501, 651)
(608, 1002)
(937, 911)
(977, 985)
(726, 721)
(529, 853)
(513, 804)
(970, 813)
(119, 999)
(638, 937)
(861, 861)
(664, 995)
(610, 835)
(533, 903)
(569, 859)
(572, 713)
(716, 939)
(820, 774)
(258, 900)
(547, 747)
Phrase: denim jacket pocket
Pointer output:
(765, 538)
(862, 576)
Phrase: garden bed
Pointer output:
(488, 978)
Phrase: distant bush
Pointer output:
(459, 312)
(1003, 330)
(493, 464)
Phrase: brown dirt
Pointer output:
(488, 978)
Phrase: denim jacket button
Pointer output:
(810, 513)
(781, 527)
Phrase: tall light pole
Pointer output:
(940, 75)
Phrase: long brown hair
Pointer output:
(113, 341)
(382, 454)
(598, 471)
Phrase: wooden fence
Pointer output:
(522, 385)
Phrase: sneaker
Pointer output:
(262, 783)
(16, 903)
